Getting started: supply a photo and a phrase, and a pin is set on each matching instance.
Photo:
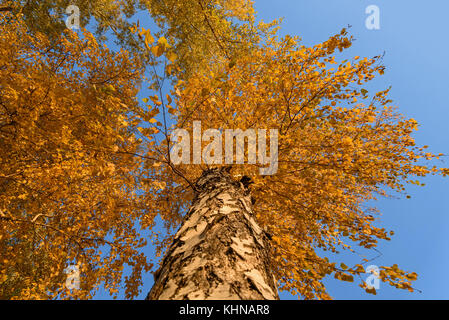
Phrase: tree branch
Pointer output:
(4, 9)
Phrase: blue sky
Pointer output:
(413, 35)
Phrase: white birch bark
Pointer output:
(219, 252)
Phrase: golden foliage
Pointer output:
(84, 168)
(339, 147)
(67, 187)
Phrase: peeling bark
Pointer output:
(219, 252)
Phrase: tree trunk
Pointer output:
(219, 252)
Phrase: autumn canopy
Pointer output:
(85, 168)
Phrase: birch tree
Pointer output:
(86, 169)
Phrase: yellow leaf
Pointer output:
(171, 56)
(148, 40)
(162, 41)
(158, 50)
